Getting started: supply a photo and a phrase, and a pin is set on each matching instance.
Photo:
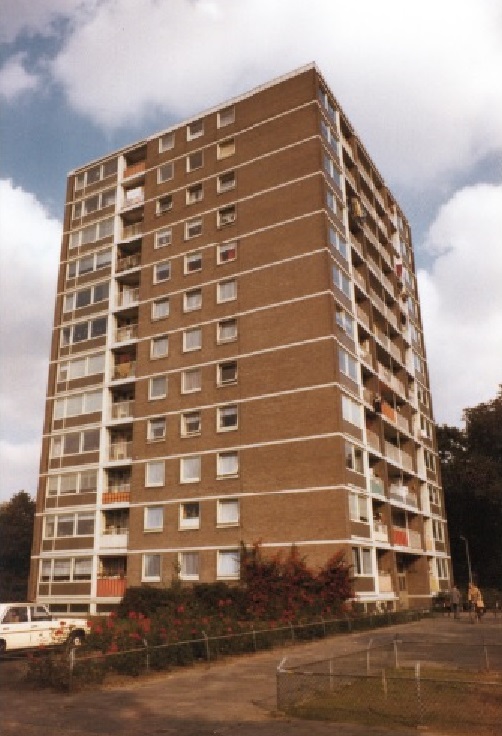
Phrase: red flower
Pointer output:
(180, 609)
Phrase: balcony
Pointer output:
(114, 538)
(114, 494)
(125, 263)
(414, 539)
(380, 532)
(400, 536)
(136, 169)
(359, 279)
(373, 439)
(402, 494)
(113, 587)
(128, 297)
(122, 409)
(132, 230)
(124, 370)
(121, 450)
(127, 332)
(362, 316)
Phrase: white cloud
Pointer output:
(461, 300)
(28, 269)
(30, 18)
(14, 79)
(419, 79)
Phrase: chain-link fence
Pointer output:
(401, 681)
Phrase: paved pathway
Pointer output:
(233, 697)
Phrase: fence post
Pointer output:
(384, 684)
(368, 655)
(487, 661)
(206, 642)
(396, 658)
(331, 677)
(254, 637)
(323, 625)
(292, 631)
(419, 694)
(71, 667)
(145, 644)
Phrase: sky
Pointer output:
(420, 81)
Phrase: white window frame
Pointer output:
(164, 204)
(219, 369)
(221, 286)
(192, 300)
(359, 508)
(220, 328)
(342, 282)
(193, 228)
(196, 476)
(188, 522)
(185, 373)
(338, 243)
(225, 149)
(345, 321)
(183, 557)
(226, 216)
(156, 433)
(351, 411)
(192, 334)
(220, 457)
(151, 482)
(354, 454)
(163, 237)
(348, 365)
(185, 418)
(166, 141)
(195, 129)
(223, 186)
(150, 558)
(192, 258)
(153, 527)
(221, 567)
(222, 412)
(151, 396)
(222, 249)
(165, 172)
(194, 156)
(156, 304)
(223, 503)
(195, 193)
(226, 116)
(159, 347)
(157, 267)
(362, 562)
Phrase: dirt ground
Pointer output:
(236, 696)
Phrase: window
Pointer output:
(92, 233)
(330, 138)
(154, 474)
(348, 365)
(354, 458)
(161, 272)
(160, 308)
(102, 171)
(351, 411)
(79, 524)
(89, 263)
(438, 530)
(192, 339)
(193, 228)
(345, 321)
(193, 262)
(153, 519)
(227, 464)
(77, 404)
(81, 331)
(164, 204)
(226, 216)
(227, 417)
(341, 280)
(165, 172)
(190, 469)
(157, 388)
(192, 300)
(338, 243)
(191, 380)
(195, 194)
(227, 330)
(332, 171)
(226, 182)
(195, 161)
(228, 564)
(226, 252)
(159, 347)
(81, 367)
(151, 567)
(166, 142)
(66, 570)
(442, 568)
(189, 565)
(74, 443)
(430, 460)
(163, 237)
(226, 116)
(361, 560)
(189, 515)
(226, 148)
(227, 372)
(85, 297)
(226, 291)
(358, 508)
(434, 496)
(190, 423)
(134, 196)
(157, 428)
(84, 482)
(228, 512)
(195, 129)
(331, 202)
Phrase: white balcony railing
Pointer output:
(381, 532)
(121, 450)
(127, 332)
(122, 409)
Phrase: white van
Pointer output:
(28, 625)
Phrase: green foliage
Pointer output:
(16, 533)
(471, 469)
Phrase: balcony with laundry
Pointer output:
(129, 253)
(124, 363)
(404, 530)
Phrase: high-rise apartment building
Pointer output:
(237, 356)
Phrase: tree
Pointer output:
(471, 468)
(16, 533)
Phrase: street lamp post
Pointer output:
(468, 558)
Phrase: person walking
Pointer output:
(476, 603)
(455, 598)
